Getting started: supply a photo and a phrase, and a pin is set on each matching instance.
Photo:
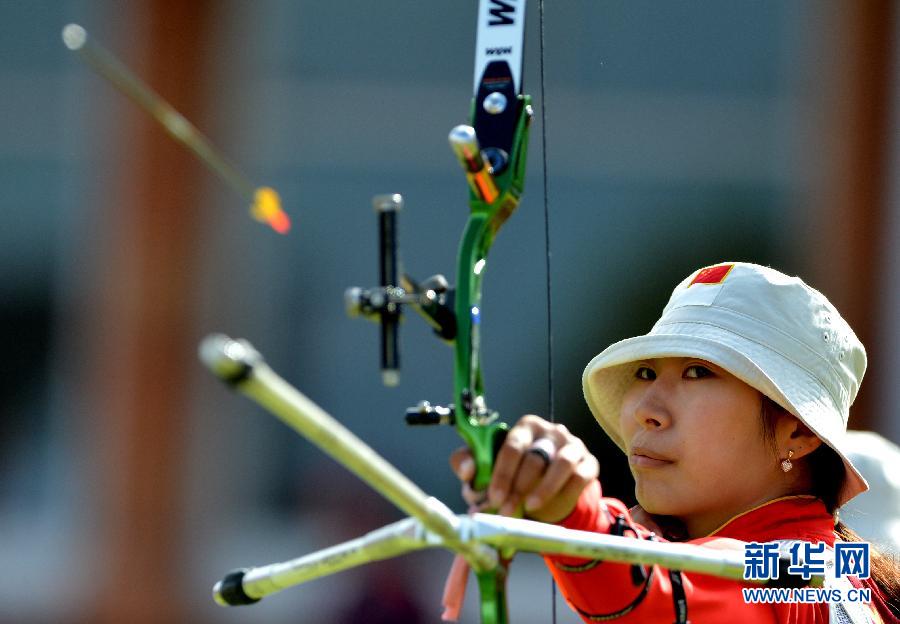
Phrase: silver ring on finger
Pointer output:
(544, 448)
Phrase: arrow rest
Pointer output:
(427, 414)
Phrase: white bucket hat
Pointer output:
(769, 330)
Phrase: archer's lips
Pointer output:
(645, 458)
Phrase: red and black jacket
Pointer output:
(602, 591)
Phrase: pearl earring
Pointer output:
(786, 464)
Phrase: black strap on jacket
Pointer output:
(678, 597)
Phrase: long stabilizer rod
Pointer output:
(238, 364)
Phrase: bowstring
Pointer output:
(550, 397)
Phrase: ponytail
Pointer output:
(828, 475)
(883, 569)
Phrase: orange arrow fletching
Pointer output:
(267, 209)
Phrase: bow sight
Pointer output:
(433, 298)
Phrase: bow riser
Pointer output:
(478, 427)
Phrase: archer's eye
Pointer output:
(646, 373)
(696, 371)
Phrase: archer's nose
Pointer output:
(652, 410)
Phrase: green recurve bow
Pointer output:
(492, 151)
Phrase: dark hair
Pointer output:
(827, 472)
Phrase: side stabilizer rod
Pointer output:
(249, 585)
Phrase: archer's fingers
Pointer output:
(476, 500)
(510, 505)
(570, 493)
(508, 461)
(571, 471)
(531, 470)
(462, 464)
(560, 470)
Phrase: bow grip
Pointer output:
(485, 442)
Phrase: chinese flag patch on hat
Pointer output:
(712, 275)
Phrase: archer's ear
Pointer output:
(792, 434)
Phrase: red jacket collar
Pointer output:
(790, 517)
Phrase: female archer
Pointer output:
(733, 413)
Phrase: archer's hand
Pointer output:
(541, 465)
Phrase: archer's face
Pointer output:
(695, 444)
